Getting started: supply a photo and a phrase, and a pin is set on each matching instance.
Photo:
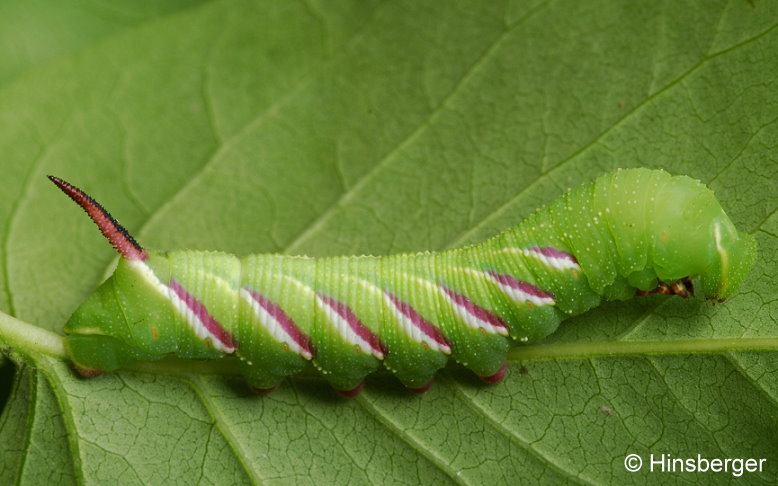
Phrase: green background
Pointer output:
(324, 128)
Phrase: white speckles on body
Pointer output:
(412, 325)
(555, 262)
(517, 294)
(273, 326)
(473, 316)
(148, 275)
(195, 323)
(345, 329)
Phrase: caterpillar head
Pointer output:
(696, 239)
(736, 254)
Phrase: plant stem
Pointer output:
(28, 339)
(598, 349)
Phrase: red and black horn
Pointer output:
(113, 231)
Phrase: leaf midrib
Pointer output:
(33, 341)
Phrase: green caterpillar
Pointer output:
(631, 231)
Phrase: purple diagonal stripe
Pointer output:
(426, 327)
(525, 287)
(355, 324)
(287, 324)
(211, 325)
(553, 253)
(483, 315)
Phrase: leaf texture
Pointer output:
(376, 127)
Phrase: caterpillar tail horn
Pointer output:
(116, 234)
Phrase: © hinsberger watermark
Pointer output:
(667, 463)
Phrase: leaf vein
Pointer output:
(436, 111)
(31, 411)
(414, 444)
(260, 118)
(220, 423)
(735, 362)
(499, 209)
(543, 458)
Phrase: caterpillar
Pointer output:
(629, 232)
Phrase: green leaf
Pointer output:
(364, 126)
(36, 31)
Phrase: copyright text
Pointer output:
(667, 463)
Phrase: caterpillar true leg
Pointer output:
(682, 288)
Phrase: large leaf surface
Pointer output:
(376, 127)
(33, 32)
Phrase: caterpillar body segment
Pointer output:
(633, 231)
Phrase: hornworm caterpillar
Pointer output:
(631, 231)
